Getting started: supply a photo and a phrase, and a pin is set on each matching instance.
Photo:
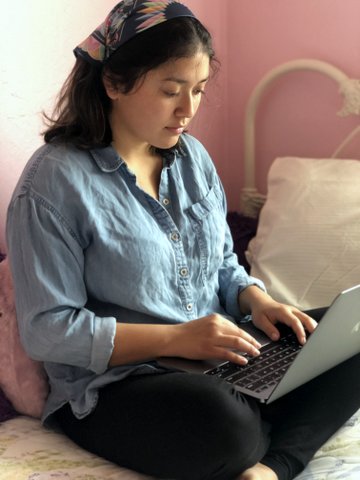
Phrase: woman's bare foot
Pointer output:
(258, 472)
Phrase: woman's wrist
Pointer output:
(137, 342)
(250, 296)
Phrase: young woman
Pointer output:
(121, 254)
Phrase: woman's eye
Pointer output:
(199, 91)
(171, 94)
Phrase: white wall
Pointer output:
(36, 42)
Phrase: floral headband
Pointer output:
(127, 19)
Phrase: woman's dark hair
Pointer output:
(81, 112)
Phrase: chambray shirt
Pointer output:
(89, 248)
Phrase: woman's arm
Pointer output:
(208, 337)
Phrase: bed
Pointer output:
(272, 236)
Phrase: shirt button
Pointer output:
(189, 307)
(184, 272)
(175, 237)
(166, 202)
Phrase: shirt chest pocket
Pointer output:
(208, 223)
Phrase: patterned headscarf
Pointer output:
(127, 19)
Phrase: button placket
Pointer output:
(162, 210)
(186, 296)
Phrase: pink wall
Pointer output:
(298, 115)
(210, 123)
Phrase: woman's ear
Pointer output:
(111, 89)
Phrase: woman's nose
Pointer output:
(187, 107)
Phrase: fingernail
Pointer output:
(274, 336)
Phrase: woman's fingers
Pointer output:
(216, 337)
(299, 322)
(240, 344)
(233, 343)
(274, 312)
(309, 323)
(230, 356)
(269, 329)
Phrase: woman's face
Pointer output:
(161, 105)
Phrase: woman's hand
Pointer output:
(266, 312)
(210, 337)
(213, 337)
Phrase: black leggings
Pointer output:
(194, 427)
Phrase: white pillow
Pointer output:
(307, 246)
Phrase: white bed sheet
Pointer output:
(30, 452)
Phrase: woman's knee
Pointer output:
(229, 424)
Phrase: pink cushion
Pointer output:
(23, 380)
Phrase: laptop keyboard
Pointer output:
(263, 371)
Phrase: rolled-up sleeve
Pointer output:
(47, 263)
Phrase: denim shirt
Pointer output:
(89, 248)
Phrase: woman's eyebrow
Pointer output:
(181, 81)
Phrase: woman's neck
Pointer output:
(146, 165)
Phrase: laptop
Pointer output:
(285, 365)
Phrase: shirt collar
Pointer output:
(108, 160)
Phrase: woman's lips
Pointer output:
(176, 130)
